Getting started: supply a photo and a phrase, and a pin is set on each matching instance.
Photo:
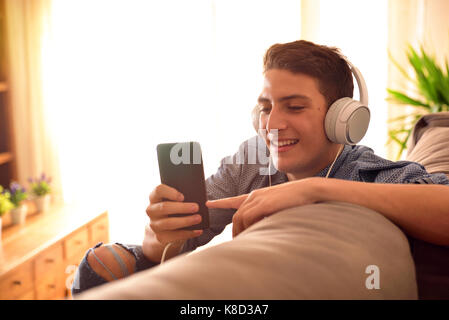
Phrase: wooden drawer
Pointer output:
(75, 246)
(17, 282)
(49, 261)
(99, 231)
(50, 287)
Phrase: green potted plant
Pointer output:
(431, 94)
(18, 194)
(41, 190)
(5, 205)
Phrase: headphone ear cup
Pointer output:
(346, 121)
(330, 121)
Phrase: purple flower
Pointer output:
(37, 182)
(14, 187)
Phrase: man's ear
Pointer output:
(255, 117)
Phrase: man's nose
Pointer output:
(276, 120)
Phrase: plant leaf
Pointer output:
(436, 78)
(403, 145)
(404, 99)
(427, 90)
(407, 117)
(401, 142)
(394, 138)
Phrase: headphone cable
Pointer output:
(338, 153)
(166, 249)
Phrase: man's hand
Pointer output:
(163, 228)
(261, 203)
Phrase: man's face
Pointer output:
(293, 104)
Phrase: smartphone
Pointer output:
(181, 167)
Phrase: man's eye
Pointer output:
(265, 110)
(295, 108)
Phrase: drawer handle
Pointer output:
(49, 260)
(52, 286)
(17, 282)
(79, 242)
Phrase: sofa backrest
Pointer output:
(429, 143)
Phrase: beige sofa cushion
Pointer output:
(318, 251)
(429, 143)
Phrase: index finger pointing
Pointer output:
(226, 203)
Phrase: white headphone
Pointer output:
(347, 120)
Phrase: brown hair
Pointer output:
(320, 62)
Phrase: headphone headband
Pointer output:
(363, 89)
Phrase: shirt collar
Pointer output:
(338, 163)
(281, 177)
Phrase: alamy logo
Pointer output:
(180, 153)
(251, 152)
(373, 281)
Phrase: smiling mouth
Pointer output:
(284, 143)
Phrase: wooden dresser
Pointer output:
(38, 260)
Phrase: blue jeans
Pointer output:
(86, 277)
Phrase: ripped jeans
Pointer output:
(86, 277)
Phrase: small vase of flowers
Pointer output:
(40, 188)
(19, 212)
(5, 205)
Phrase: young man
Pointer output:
(301, 81)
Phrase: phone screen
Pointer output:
(181, 167)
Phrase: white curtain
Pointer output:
(28, 25)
